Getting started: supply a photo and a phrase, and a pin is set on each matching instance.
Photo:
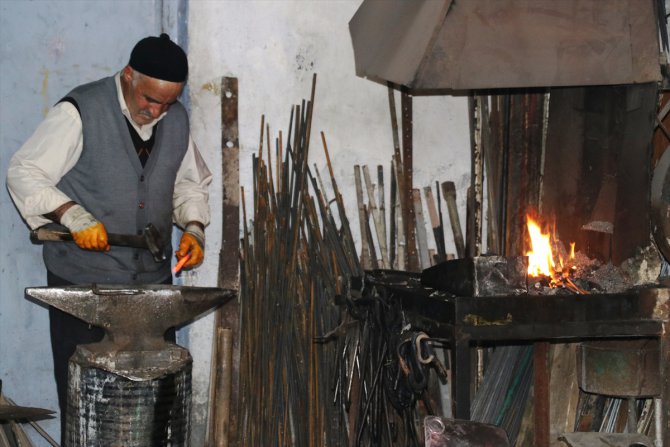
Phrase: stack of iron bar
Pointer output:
(295, 256)
(502, 395)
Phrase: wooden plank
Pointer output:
(377, 216)
(400, 213)
(563, 387)
(362, 220)
(541, 393)
(421, 236)
(224, 387)
(436, 223)
(449, 193)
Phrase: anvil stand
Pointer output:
(116, 388)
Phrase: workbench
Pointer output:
(463, 321)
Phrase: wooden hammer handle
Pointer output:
(50, 234)
(59, 233)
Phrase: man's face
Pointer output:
(147, 98)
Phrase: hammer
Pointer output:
(149, 239)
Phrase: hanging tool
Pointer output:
(149, 239)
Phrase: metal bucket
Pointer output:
(622, 368)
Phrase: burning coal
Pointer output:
(547, 260)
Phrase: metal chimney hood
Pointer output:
(479, 44)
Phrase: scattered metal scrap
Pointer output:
(11, 415)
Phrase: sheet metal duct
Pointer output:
(477, 44)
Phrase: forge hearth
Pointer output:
(640, 313)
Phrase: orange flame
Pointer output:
(540, 258)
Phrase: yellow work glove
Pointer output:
(87, 232)
(193, 242)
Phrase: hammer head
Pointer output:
(154, 243)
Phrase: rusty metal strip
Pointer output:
(407, 166)
(228, 275)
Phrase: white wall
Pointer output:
(273, 48)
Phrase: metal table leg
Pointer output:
(460, 384)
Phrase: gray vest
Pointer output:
(109, 181)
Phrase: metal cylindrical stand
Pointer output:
(111, 410)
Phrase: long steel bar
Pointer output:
(294, 262)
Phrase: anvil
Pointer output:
(135, 319)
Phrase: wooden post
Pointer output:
(541, 393)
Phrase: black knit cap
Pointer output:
(160, 58)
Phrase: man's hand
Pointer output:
(193, 242)
(87, 232)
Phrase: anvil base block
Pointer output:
(105, 409)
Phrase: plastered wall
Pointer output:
(273, 47)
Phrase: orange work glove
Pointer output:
(92, 238)
(192, 241)
(87, 232)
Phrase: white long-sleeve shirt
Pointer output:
(55, 147)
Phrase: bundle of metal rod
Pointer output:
(387, 249)
(297, 254)
(502, 395)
